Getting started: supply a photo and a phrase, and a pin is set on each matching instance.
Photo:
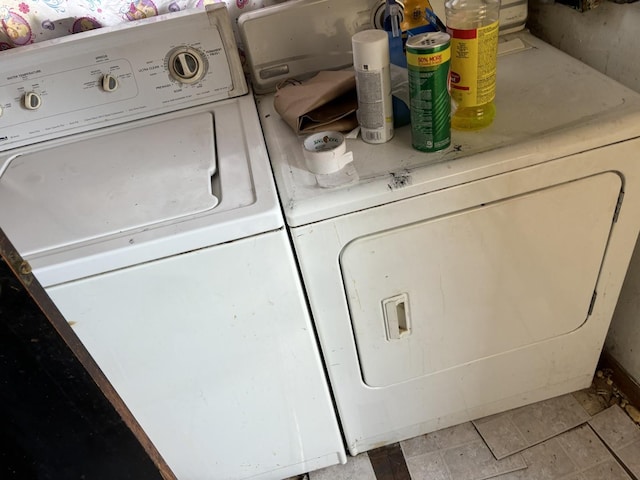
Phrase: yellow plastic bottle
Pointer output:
(473, 26)
(414, 14)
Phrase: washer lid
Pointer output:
(99, 186)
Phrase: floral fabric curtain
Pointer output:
(27, 21)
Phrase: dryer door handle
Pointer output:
(397, 321)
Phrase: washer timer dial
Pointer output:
(186, 64)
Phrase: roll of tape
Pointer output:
(325, 152)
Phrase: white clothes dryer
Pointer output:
(454, 285)
(135, 181)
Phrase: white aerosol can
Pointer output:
(373, 83)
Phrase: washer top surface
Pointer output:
(112, 156)
(139, 191)
(549, 105)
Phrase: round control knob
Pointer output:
(32, 101)
(109, 83)
(186, 65)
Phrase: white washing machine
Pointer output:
(453, 285)
(135, 180)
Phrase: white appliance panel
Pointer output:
(543, 182)
(228, 330)
(135, 178)
(193, 309)
(242, 183)
(478, 282)
(559, 362)
(533, 80)
(307, 36)
(67, 73)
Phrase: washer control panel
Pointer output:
(117, 74)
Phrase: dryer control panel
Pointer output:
(323, 39)
(117, 74)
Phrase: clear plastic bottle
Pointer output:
(473, 26)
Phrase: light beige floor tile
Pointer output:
(523, 427)
(474, 461)
(419, 446)
(565, 457)
(455, 453)
(577, 476)
(584, 447)
(429, 466)
(548, 461)
(455, 436)
(356, 468)
(615, 428)
(501, 435)
(630, 456)
(609, 470)
(621, 435)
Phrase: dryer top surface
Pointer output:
(549, 105)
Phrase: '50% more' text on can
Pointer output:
(428, 60)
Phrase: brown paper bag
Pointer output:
(327, 101)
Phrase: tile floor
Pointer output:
(585, 435)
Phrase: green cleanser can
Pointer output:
(428, 61)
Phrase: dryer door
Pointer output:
(455, 289)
